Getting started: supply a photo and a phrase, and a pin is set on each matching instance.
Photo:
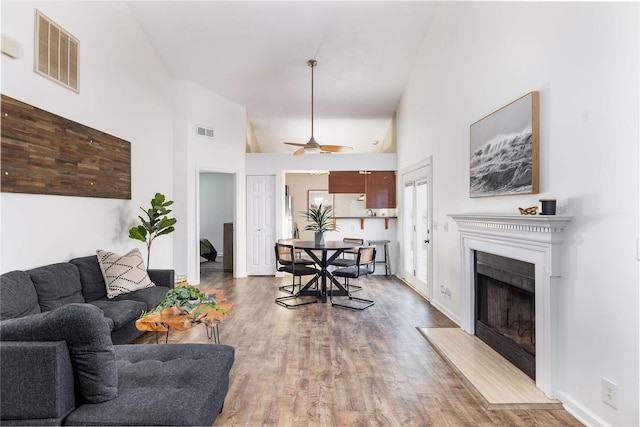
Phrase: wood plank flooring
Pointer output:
(319, 365)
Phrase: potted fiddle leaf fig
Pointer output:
(321, 222)
(156, 224)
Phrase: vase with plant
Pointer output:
(156, 224)
(321, 222)
(187, 299)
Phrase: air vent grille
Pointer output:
(203, 131)
(56, 53)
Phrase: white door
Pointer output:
(260, 225)
(417, 229)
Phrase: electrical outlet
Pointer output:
(610, 393)
(446, 226)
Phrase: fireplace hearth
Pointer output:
(505, 308)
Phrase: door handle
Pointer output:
(427, 241)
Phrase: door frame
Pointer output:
(427, 164)
(196, 243)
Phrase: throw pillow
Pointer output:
(123, 273)
(86, 331)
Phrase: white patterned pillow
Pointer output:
(123, 273)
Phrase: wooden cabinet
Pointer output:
(380, 190)
(379, 187)
(227, 246)
(346, 182)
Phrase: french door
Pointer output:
(416, 220)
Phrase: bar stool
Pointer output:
(387, 260)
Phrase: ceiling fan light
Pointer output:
(312, 150)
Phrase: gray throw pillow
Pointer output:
(86, 332)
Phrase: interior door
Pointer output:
(260, 225)
(417, 229)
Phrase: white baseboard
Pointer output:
(584, 415)
(444, 310)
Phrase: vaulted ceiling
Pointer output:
(255, 54)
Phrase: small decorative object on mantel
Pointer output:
(548, 206)
(533, 210)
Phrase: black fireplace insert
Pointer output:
(505, 308)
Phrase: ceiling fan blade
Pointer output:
(297, 144)
(335, 148)
(298, 152)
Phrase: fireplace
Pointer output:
(505, 308)
(534, 240)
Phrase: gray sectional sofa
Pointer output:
(59, 364)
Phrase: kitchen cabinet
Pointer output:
(379, 187)
(346, 182)
(380, 190)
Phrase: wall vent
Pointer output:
(56, 53)
(203, 131)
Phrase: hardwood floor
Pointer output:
(319, 365)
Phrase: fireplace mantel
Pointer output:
(500, 223)
(536, 239)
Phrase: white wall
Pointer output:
(583, 58)
(193, 154)
(125, 92)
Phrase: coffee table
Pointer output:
(173, 318)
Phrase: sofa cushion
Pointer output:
(46, 394)
(86, 332)
(93, 286)
(19, 297)
(120, 312)
(57, 285)
(151, 297)
(174, 384)
(123, 273)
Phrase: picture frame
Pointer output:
(316, 197)
(504, 145)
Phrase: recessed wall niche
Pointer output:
(43, 153)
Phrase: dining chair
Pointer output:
(352, 253)
(365, 265)
(350, 259)
(297, 256)
(287, 262)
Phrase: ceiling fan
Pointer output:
(312, 146)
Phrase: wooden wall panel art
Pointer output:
(43, 153)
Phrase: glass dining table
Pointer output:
(323, 256)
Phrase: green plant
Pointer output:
(156, 224)
(190, 297)
(320, 218)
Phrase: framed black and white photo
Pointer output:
(504, 150)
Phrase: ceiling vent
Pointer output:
(56, 53)
(203, 131)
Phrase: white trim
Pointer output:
(533, 239)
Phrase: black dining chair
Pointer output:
(286, 261)
(350, 258)
(365, 265)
